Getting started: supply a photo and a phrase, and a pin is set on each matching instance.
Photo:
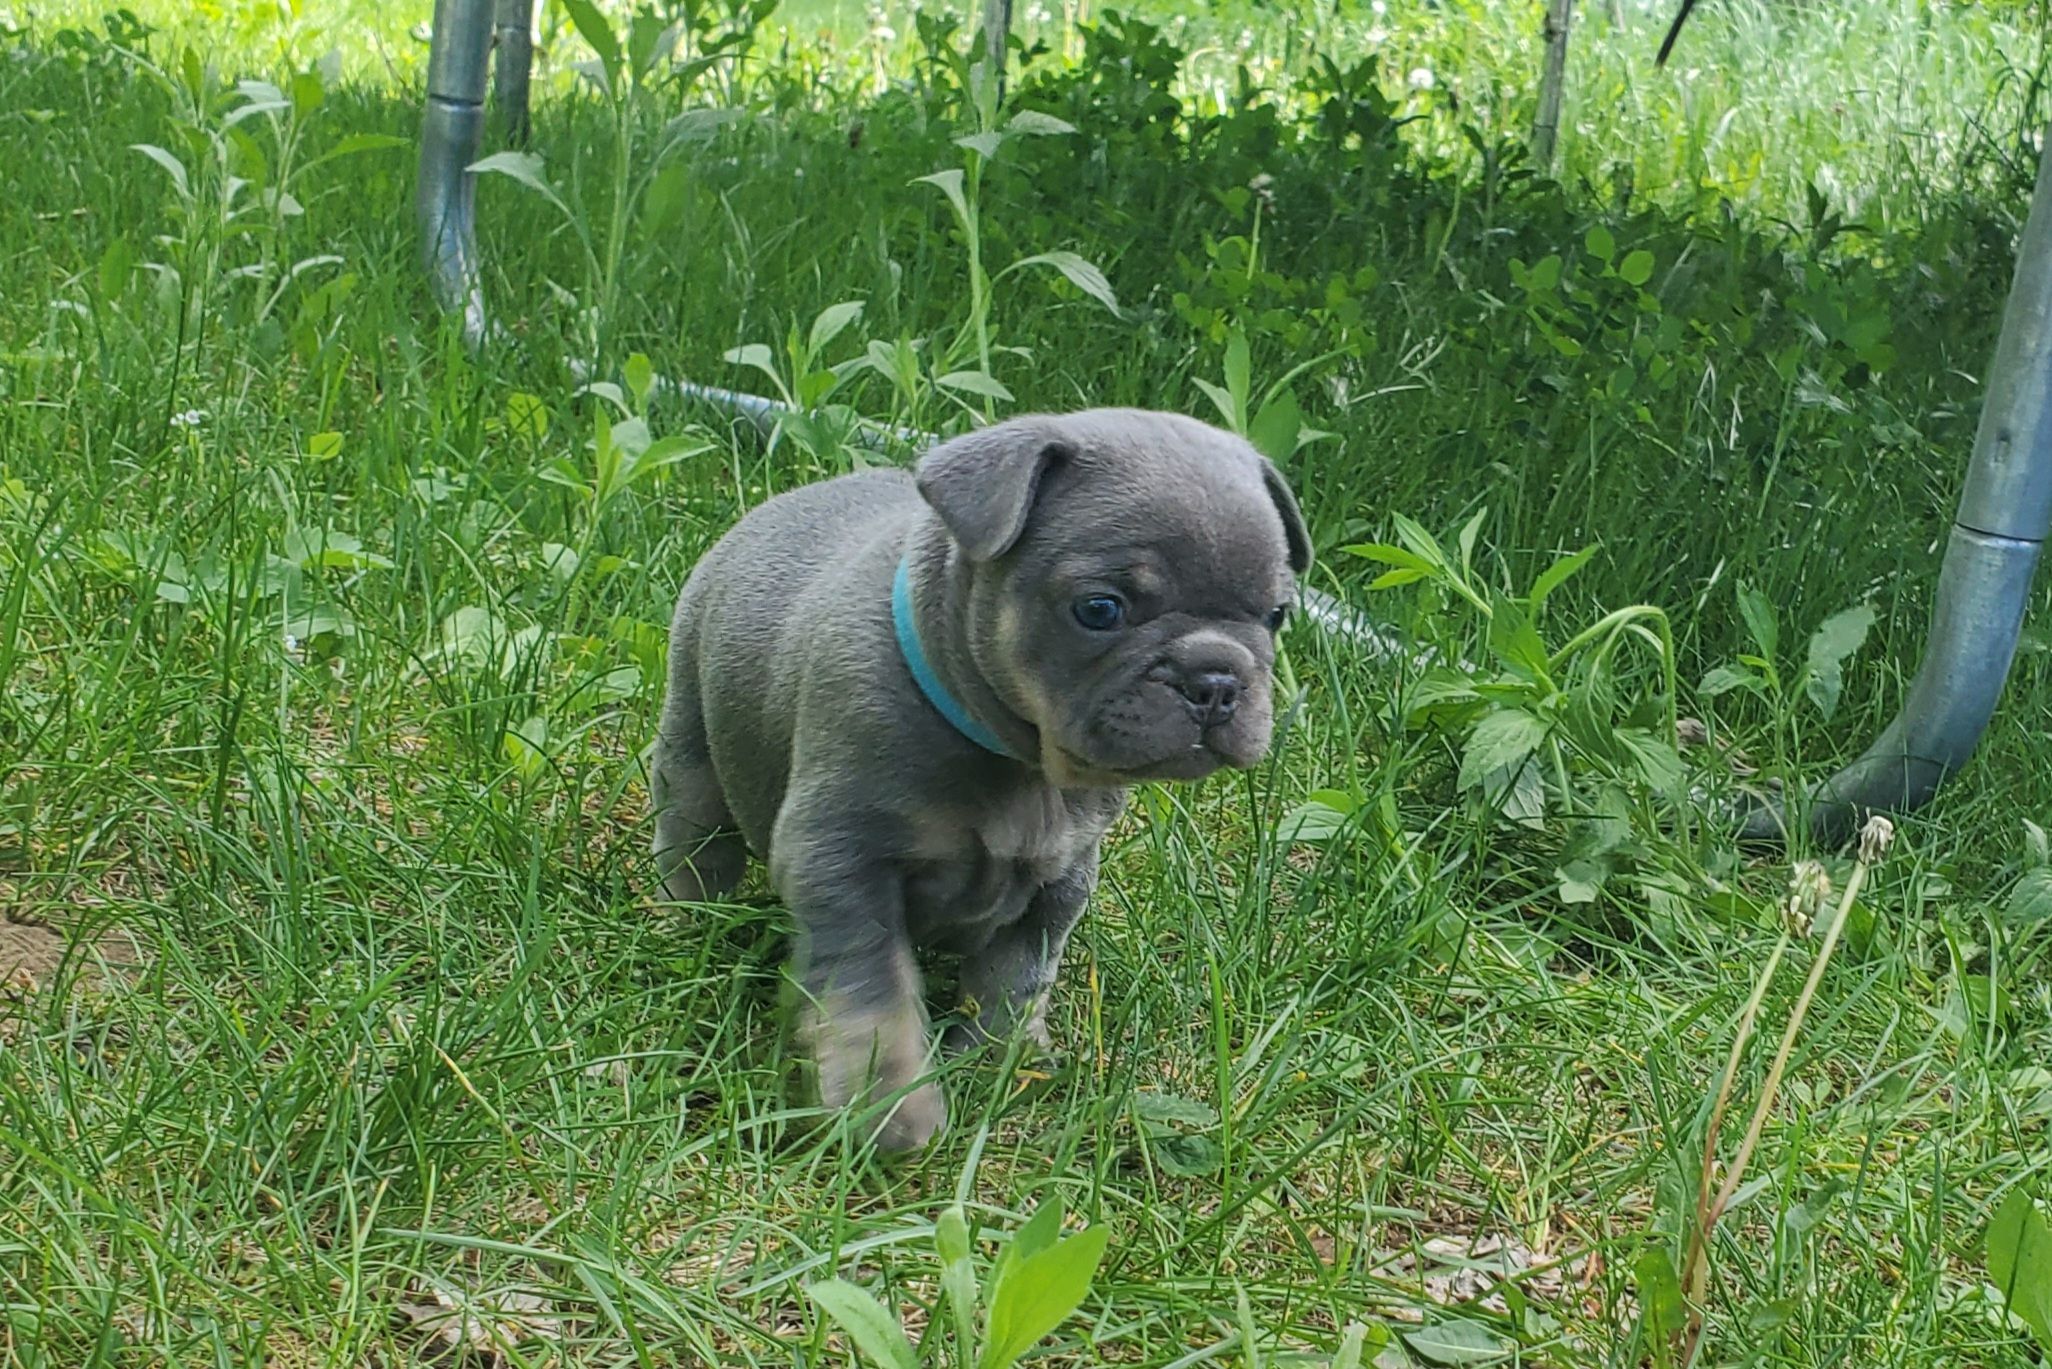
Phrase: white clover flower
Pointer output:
(190, 418)
(1421, 78)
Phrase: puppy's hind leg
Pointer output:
(697, 850)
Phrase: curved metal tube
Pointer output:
(1984, 584)
(444, 204)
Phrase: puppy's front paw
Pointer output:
(872, 1055)
(919, 1117)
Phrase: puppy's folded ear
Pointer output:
(1294, 532)
(983, 483)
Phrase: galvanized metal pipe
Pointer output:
(997, 33)
(1984, 584)
(453, 128)
(512, 65)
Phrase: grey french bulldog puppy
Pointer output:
(920, 698)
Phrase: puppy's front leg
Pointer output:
(863, 1019)
(1008, 981)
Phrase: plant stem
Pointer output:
(1874, 839)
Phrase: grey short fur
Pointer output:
(794, 730)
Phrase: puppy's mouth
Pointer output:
(1065, 768)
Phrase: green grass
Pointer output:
(367, 996)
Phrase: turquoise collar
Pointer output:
(929, 683)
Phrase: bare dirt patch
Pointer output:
(34, 949)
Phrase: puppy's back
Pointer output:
(769, 601)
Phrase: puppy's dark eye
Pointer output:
(1099, 612)
(1277, 616)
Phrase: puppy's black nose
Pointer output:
(1214, 694)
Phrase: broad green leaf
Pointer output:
(1038, 1233)
(756, 355)
(2030, 1090)
(1637, 267)
(172, 166)
(1556, 575)
(1038, 1292)
(2019, 1250)
(1662, 1313)
(1503, 740)
(630, 437)
(831, 323)
(559, 471)
(1034, 122)
(649, 40)
(1423, 544)
(958, 1277)
(559, 561)
(470, 635)
(525, 168)
(1389, 555)
(1081, 274)
(1839, 637)
(1275, 430)
(1314, 821)
(1456, 1343)
(324, 550)
(1514, 641)
(1173, 1109)
(951, 1234)
(640, 376)
(2030, 902)
(526, 747)
(1726, 678)
(1354, 1344)
(697, 126)
(308, 92)
(1471, 530)
(668, 451)
(316, 623)
(1600, 244)
(593, 28)
(950, 184)
(1582, 880)
(324, 446)
(874, 1330)
(1758, 613)
(1220, 400)
(1186, 1155)
(975, 383)
(984, 145)
(663, 203)
(1657, 762)
(1393, 579)
(1519, 795)
(1239, 366)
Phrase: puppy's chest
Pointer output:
(974, 872)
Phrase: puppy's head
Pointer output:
(1128, 573)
